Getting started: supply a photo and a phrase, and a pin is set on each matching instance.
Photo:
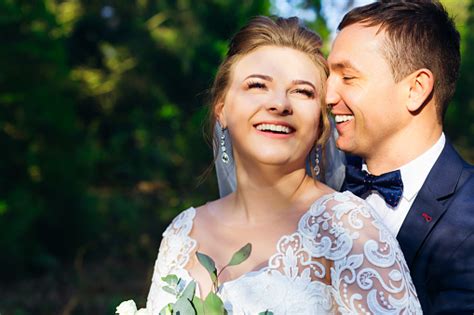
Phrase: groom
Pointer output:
(393, 70)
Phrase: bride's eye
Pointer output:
(308, 93)
(256, 85)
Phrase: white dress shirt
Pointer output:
(413, 176)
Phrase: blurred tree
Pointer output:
(45, 165)
(460, 114)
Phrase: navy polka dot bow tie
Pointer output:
(389, 185)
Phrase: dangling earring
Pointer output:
(317, 168)
(224, 155)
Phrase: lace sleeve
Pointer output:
(369, 274)
(173, 256)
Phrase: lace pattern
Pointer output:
(175, 249)
(369, 274)
(340, 260)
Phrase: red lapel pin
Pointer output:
(427, 217)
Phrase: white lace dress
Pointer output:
(368, 272)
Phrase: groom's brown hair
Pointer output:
(419, 34)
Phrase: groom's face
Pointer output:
(361, 92)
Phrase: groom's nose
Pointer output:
(332, 97)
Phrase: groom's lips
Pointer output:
(342, 120)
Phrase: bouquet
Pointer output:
(187, 303)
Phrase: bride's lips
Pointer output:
(275, 129)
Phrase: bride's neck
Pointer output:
(263, 196)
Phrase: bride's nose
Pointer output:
(279, 104)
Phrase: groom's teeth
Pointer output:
(275, 128)
(343, 118)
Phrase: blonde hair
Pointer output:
(280, 32)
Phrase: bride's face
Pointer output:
(272, 107)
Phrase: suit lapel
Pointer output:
(430, 203)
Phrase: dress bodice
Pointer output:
(367, 272)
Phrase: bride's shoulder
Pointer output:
(192, 218)
(182, 223)
(339, 199)
(342, 207)
(214, 211)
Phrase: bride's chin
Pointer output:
(269, 158)
(273, 163)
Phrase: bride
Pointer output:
(315, 251)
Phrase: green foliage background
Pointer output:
(102, 112)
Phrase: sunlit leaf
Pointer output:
(172, 280)
(3, 207)
(169, 111)
(213, 304)
(167, 310)
(198, 306)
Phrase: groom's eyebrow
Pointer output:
(343, 65)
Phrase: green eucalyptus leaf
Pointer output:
(172, 280)
(213, 304)
(198, 306)
(267, 312)
(183, 306)
(167, 310)
(209, 264)
(241, 255)
(188, 292)
(170, 290)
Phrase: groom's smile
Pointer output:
(342, 118)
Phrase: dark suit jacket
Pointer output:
(437, 237)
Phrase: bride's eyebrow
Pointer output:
(296, 82)
(260, 76)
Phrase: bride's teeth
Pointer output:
(275, 128)
(343, 118)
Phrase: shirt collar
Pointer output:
(415, 172)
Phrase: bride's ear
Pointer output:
(219, 114)
(421, 87)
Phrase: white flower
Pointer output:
(127, 308)
(142, 311)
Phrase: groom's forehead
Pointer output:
(356, 42)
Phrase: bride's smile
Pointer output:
(275, 128)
